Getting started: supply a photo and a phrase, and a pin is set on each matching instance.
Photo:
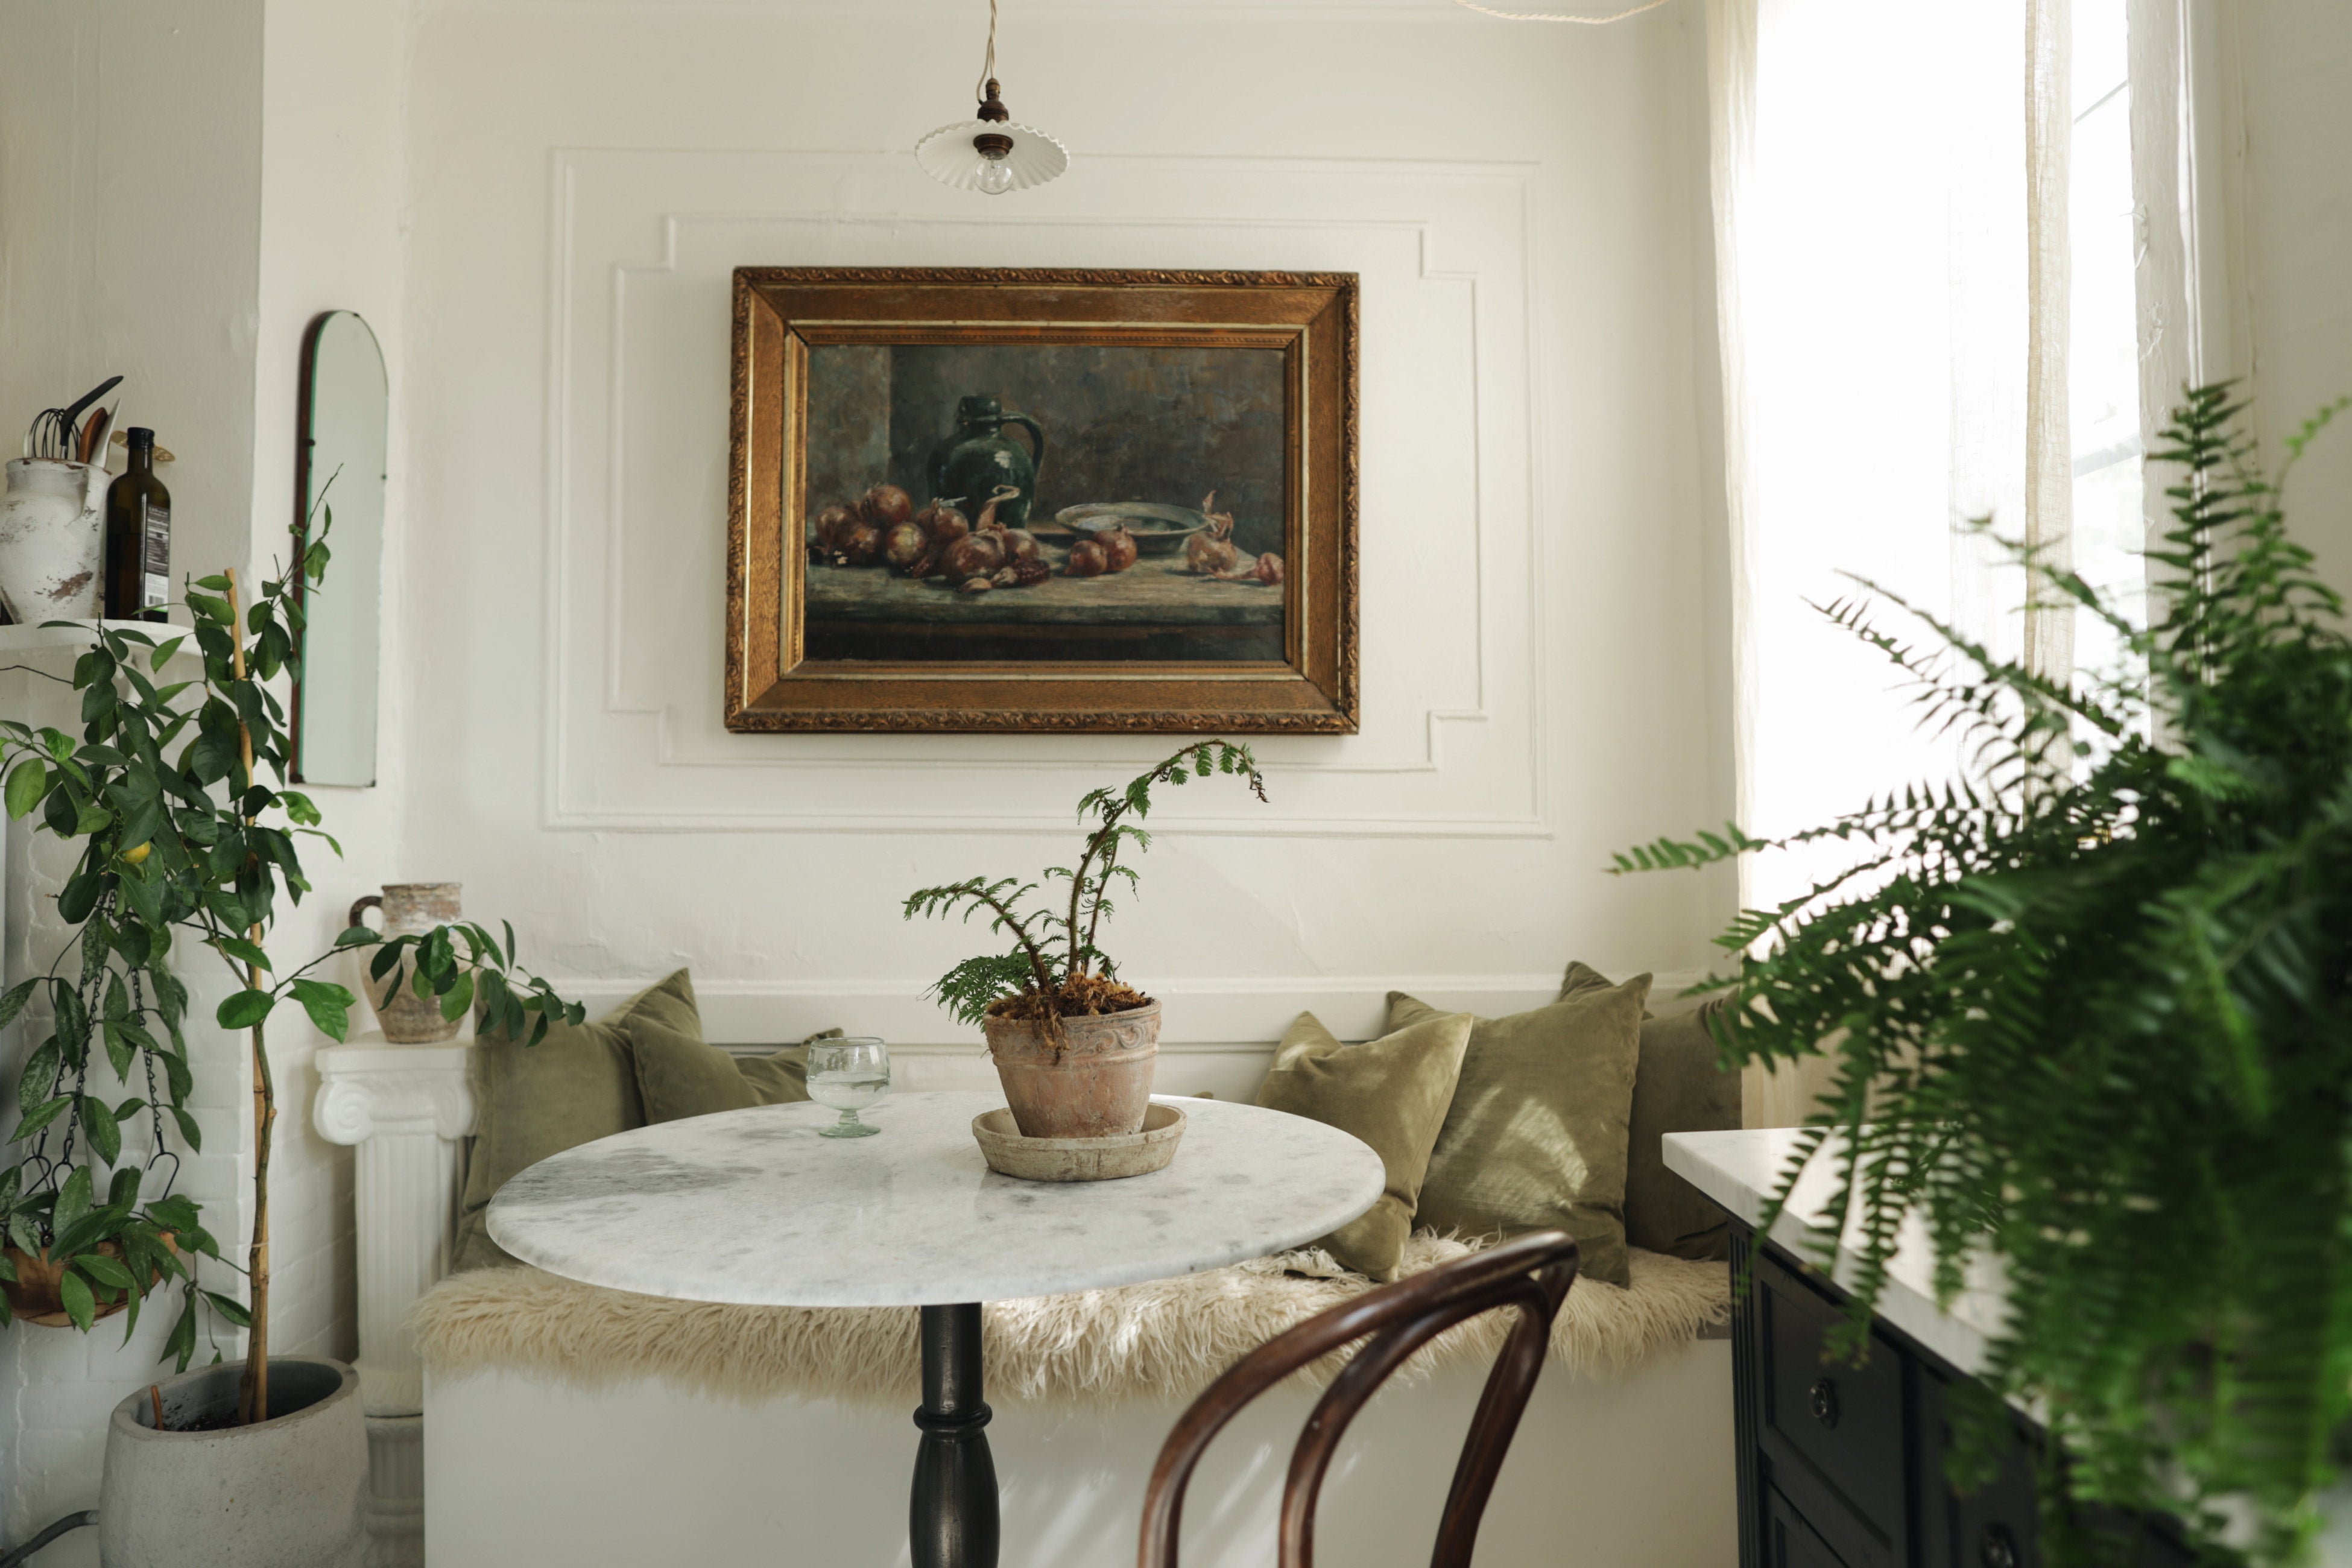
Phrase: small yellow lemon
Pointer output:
(137, 856)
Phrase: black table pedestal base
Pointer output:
(951, 1516)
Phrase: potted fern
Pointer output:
(2091, 1012)
(1073, 1044)
(185, 855)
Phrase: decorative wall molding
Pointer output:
(1212, 1016)
(643, 240)
(1255, 10)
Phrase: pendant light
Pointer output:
(990, 154)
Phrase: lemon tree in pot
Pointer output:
(186, 857)
(1074, 1045)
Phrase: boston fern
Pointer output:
(185, 852)
(2092, 1013)
(1054, 969)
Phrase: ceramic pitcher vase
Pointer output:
(980, 457)
(408, 909)
(52, 541)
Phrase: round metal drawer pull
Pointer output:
(1996, 1548)
(1822, 1398)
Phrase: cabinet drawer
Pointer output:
(1998, 1524)
(1790, 1541)
(1842, 1427)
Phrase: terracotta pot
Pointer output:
(35, 1298)
(409, 908)
(1095, 1083)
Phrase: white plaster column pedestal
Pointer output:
(403, 1109)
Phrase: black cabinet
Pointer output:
(1842, 1464)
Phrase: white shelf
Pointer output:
(79, 637)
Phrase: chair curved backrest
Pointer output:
(1531, 1273)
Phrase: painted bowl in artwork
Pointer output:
(1158, 529)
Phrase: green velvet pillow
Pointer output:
(1536, 1137)
(1679, 1087)
(679, 1074)
(1392, 1093)
(574, 1086)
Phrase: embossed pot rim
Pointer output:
(1085, 1034)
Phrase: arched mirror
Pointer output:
(340, 461)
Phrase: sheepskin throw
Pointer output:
(1165, 1340)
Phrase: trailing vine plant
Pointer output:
(185, 855)
(1054, 969)
(2091, 1012)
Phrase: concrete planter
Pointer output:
(1096, 1083)
(284, 1494)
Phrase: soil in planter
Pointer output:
(213, 1421)
(1084, 996)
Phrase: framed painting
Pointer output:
(969, 499)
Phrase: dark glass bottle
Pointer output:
(138, 537)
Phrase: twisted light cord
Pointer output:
(1541, 15)
(988, 69)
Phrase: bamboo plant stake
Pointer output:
(253, 1388)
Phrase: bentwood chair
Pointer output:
(1531, 1273)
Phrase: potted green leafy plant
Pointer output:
(2091, 1012)
(1073, 1044)
(185, 855)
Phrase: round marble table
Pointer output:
(753, 1206)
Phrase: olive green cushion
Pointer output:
(679, 1074)
(1392, 1093)
(530, 1102)
(1536, 1137)
(1679, 1087)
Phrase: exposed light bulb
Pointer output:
(988, 153)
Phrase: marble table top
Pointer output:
(752, 1207)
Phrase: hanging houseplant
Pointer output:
(185, 855)
(2092, 1013)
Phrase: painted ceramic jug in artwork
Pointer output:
(52, 541)
(980, 457)
(409, 908)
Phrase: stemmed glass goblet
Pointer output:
(848, 1075)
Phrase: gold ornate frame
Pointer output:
(781, 311)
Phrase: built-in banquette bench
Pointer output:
(588, 1427)
(1841, 1463)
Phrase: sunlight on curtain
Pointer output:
(2104, 383)
(1874, 236)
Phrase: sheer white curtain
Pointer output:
(1925, 256)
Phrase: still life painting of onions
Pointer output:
(955, 503)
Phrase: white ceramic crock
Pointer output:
(52, 541)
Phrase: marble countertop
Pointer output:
(1742, 1170)
(752, 1207)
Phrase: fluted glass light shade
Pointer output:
(989, 153)
(1025, 156)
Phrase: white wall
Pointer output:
(130, 196)
(2285, 65)
(1523, 204)
(182, 188)
(334, 200)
